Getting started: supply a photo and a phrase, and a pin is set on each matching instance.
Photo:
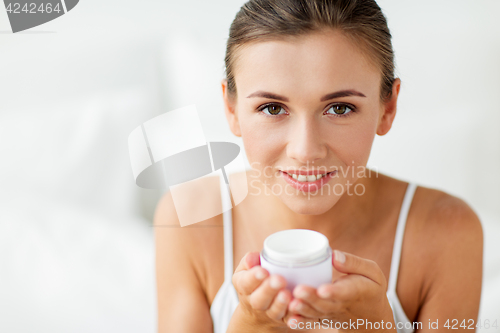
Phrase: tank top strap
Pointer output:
(228, 229)
(398, 239)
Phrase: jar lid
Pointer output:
(296, 247)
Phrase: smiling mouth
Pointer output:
(307, 178)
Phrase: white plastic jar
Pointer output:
(301, 256)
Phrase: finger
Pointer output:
(302, 308)
(242, 281)
(245, 282)
(295, 321)
(249, 260)
(308, 303)
(262, 297)
(278, 308)
(345, 288)
(351, 264)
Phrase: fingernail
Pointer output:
(282, 298)
(275, 283)
(339, 256)
(301, 293)
(260, 275)
(323, 292)
(297, 306)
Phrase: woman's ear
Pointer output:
(230, 110)
(389, 109)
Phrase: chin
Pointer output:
(309, 206)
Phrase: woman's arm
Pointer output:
(182, 305)
(452, 291)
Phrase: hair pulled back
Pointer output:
(360, 20)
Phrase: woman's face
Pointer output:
(290, 121)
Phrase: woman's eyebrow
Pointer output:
(337, 94)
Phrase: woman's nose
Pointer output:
(305, 144)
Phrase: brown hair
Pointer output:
(360, 20)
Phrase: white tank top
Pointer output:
(226, 299)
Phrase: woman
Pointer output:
(309, 84)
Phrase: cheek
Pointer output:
(352, 144)
(262, 141)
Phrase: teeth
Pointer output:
(311, 178)
(304, 178)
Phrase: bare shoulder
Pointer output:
(443, 222)
(182, 254)
(448, 238)
(175, 206)
(193, 241)
(446, 218)
(200, 201)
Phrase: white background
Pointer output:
(76, 246)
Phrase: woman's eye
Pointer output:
(272, 109)
(340, 109)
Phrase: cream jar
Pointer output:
(301, 256)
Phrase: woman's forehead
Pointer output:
(313, 62)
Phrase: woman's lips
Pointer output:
(307, 186)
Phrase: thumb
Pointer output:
(350, 264)
(252, 259)
(249, 260)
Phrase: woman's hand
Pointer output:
(361, 294)
(263, 297)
